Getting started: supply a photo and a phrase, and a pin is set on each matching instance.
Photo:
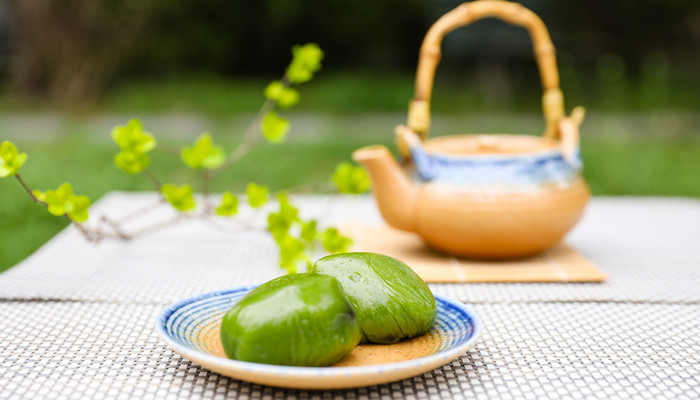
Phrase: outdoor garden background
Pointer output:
(70, 70)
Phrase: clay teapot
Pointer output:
(484, 196)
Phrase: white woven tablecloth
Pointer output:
(78, 318)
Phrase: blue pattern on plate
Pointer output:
(179, 324)
(519, 170)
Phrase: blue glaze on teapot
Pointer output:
(542, 168)
(487, 168)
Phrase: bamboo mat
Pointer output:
(561, 263)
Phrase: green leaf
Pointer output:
(229, 205)
(292, 253)
(334, 242)
(350, 179)
(132, 138)
(39, 195)
(290, 212)
(134, 144)
(257, 195)
(288, 98)
(181, 198)
(274, 127)
(62, 201)
(279, 223)
(308, 231)
(10, 160)
(284, 96)
(308, 55)
(59, 200)
(273, 90)
(79, 209)
(131, 162)
(204, 154)
(306, 61)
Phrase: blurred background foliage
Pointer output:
(72, 69)
(613, 55)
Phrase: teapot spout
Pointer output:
(395, 194)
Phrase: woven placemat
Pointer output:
(73, 350)
(559, 264)
(647, 246)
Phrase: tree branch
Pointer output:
(28, 190)
(138, 212)
(250, 138)
(167, 149)
(115, 227)
(206, 190)
(152, 178)
(311, 187)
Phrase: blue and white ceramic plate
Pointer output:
(191, 328)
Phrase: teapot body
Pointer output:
(499, 196)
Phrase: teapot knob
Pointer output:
(487, 143)
(570, 140)
(407, 139)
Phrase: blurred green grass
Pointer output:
(645, 166)
(347, 92)
(641, 145)
(339, 92)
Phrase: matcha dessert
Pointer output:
(390, 300)
(299, 320)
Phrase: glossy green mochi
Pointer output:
(391, 301)
(299, 319)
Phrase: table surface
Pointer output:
(78, 318)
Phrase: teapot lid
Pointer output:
(501, 146)
(511, 160)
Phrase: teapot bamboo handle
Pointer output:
(466, 13)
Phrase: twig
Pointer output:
(85, 231)
(310, 187)
(98, 230)
(90, 235)
(138, 212)
(167, 149)
(80, 227)
(28, 190)
(116, 228)
(152, 178)
(206, 190)
(161, 225)
(237, 226)
(120, 234)
(250, 137)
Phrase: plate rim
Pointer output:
(273, 369)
